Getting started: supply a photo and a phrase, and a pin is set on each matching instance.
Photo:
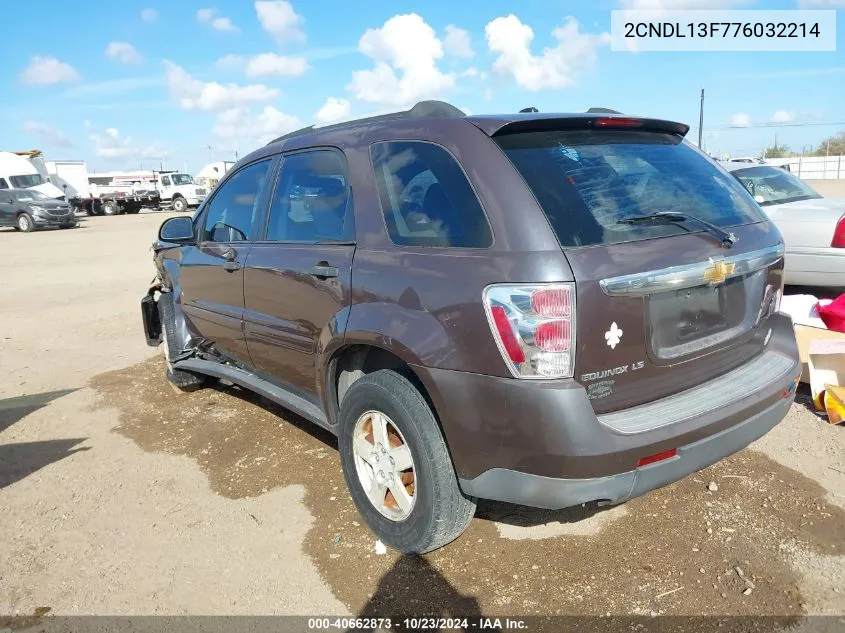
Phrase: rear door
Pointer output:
(661, 306)
(212, 272)
(297, 278)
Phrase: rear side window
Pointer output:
(426, 198)
(3, 184)
(587, 181)
(311, 201)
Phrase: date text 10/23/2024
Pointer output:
(417, 624)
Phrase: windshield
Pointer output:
(772, 185)
(31, 195)
(25, 182)
(182, 179)
(586, 181)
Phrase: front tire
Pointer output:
(179, 204)
(25, 223)
(397, 467)
(183, 380)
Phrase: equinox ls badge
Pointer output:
(718, 271)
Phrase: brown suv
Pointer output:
(540, 309)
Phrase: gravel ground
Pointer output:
(124, 497)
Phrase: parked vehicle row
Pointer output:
(813, 228)
(28, 209)
(539, 309)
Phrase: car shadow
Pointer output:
(14, 409)
(413, 588)
(19, 460)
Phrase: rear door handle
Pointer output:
(231, 266)
(323, 272)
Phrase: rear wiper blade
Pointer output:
(726, 238)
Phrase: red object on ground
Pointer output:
(833, 314)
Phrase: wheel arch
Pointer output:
(356, 358)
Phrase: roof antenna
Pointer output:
(529, 109)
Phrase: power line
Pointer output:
(772, 125)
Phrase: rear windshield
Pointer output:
(773, 185)
(587, 181)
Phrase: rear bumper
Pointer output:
(815, 267)
(540, 443)
(537, 491)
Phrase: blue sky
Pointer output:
(130, 84)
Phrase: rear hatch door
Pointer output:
(662, 305)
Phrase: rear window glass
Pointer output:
(426, 198)
(587, 181)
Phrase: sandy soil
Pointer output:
(125, 497)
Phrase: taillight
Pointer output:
(838, 240)
(534, 327)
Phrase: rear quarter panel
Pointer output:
(424, 303)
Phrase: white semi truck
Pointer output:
(26, 170)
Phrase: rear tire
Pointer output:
(25, 223)
(439, 512)
(179, 204)
(183, 380)
(110, 207)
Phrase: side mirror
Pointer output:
(179, 230)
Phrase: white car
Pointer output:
(813, 228)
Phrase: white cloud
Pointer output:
(408, 45)
(223, 24)
(279, 65)
(194, 94)
(333, 109)
(240, 124)
(556, 67)
(782, 116)
(149, 15)
(46, 134)
(457, 42)
(110, 144)
(278, 18)
(230, 62)
(218, 22)
(205, 15)
(472, 71)
(124, 52)
(740, 119)
(48, 70)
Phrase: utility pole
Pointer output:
(209, 153)
(701, 121)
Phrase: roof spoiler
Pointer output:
(598, 121)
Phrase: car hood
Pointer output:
(815, 206)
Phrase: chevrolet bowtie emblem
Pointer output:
(718, 272)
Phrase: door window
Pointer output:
(3, 184)
(233, 212)
(165, 181)
(311, 201)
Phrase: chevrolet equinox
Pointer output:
(541, 309)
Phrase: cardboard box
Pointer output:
(805, 335)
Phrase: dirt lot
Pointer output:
(120, 496)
